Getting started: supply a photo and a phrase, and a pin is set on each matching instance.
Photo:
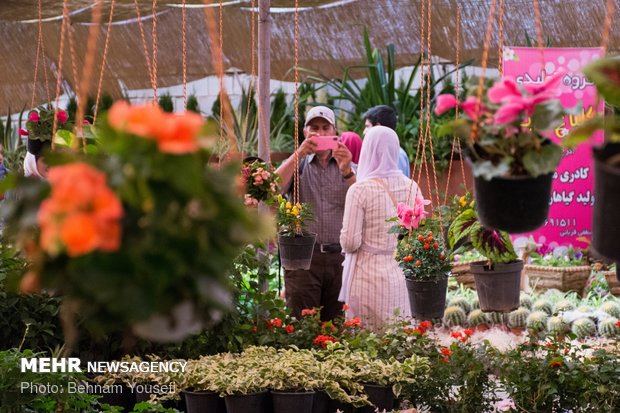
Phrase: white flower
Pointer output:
(509, 54)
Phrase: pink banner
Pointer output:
(572, 198)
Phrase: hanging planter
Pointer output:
(296, 251)
(513, 204)
(498, 285)
(606, 220)
(427, 299)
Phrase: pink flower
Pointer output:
(509, 112)
(258, 181)
(411, 217)
(62, 116)
(470, 107)
(34, 117)
(548, 86)
(22, 132)
(246, 172)
(444, 103)
(405, 214)
(502, 90)
(250, 201)
(86, 122)
(505, 405)
(265, 175)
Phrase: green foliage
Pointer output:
(493, 244)
(13, 149)
(518, 318)
(454, 316)
(165, 102)
(192, 104)
(421, 254)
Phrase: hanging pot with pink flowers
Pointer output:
(506, 135)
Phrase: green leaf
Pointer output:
(64, 138)
(462, 226)
(543, 161)
(547, 115)
(605, 74)
(460, 127)
(493, 244)
(583, 131)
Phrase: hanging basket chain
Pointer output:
(103, 61)
(539, 32)
(145, 46)
(36, 60)
(89, 63)
(500, 52)
(61, 48)
(251, 86)
(74, 70)
(609, 16)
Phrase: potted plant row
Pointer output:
(565, 269)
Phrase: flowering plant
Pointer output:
(261, 183)
(422, 256)
(292, 219)
(41, 122)
(559, 257)
(142, 231)
(509, 121)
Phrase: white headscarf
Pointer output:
(30, 166)
(379, 155)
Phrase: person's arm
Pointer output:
(352, 221)
(287, 169)
(343, 157)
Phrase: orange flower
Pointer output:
(446, 352)
(456, 334)
(426, 324)
(308, 311)
(555, 364)
(180, 133)
(354, 322)
(144, 120)
(78, 233)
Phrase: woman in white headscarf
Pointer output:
(33, 162)
(373, 285)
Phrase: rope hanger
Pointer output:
(296, 108)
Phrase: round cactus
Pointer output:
(460, 302)
(612, 308)
(562, 306)
(537, 320)
(517, 319)
(497, 317)
(454, 316)
(477, 318)
(583, 327)
(475, 304)
(525, 301)
(556, 326)
(542, 305)
(584, 309)
(609, 327)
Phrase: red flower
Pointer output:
(289, 329)
(426, 324)
(446, 352)
(418, 263)
(436, 245)
(34, 117)
(308, 311)
(555, 364)
(62, 116)
(455, 334)
(426, 246)
(468, 332)
(420, 330)
(322, 340)
(277, 322)
(354, 322)
(618, 323)
(23, 132)
(408, 330)
(345, 307)
(408, 258)
(329, 324)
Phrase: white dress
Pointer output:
(374, 287)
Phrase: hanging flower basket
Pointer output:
(565, 279)
(427, 299)
(513, 204)
(296, 251)
(606, 220)
(498, 286)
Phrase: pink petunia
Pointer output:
(444, 103)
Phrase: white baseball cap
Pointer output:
(321, 112)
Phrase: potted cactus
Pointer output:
(609, 327)
(498, 279)
(517, 320)
(583, 327)
(454, 316)
(478, 319)
(537, 321)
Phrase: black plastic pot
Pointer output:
(244, 403)
(335, 405)
(498, 287)
(296, 251)
(606, 214)
(292, 402)
(427, 299)
(320, 402)
(513, 204)
(204, 401)
(381, 397)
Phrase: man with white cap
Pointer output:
(324, 177)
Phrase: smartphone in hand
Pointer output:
(325, 143)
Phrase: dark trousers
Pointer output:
(317, 287)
